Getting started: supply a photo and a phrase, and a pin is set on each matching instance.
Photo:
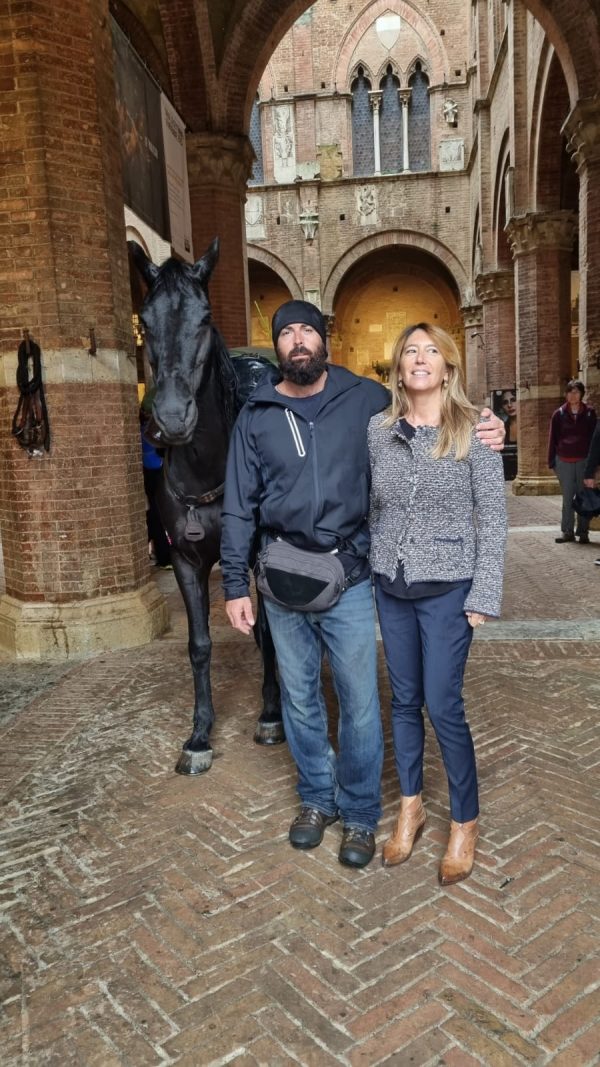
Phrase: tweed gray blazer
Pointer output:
(444, 519)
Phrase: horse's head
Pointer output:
(178, 332)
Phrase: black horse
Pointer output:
(199, 390)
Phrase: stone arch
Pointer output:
(503, 255)
(412, 67)
(419, 22)
(367, 74)
(563, 26)
(268, 259)
(401, 238)
(550, 165)
(257, 27)
(383, 71)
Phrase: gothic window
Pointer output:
(255, 135)
(419, 133)
(390, 124)
(363, 154)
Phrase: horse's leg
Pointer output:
(196, 756)
(269, 728)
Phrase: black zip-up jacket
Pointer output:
(307, 481)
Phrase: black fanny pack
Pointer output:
(297, 579)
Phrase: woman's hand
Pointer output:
(474, 618)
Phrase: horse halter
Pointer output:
(194, 528)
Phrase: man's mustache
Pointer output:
(300, 350)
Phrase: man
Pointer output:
(571, 429)
(591, 465)
(298, 467)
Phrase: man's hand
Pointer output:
(240, 614)
(474, 618)
(589, 483)
(492, 431)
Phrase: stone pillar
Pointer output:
(582, 128)
(404, 95)
(542, 246)
(495, 290)
(219, 167)
(375, 99)
(73, 520)
(472, 316)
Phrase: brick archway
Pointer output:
(401, 239)
(438, 60)
(257, 27)
(278, 267)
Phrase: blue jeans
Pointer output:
(351, 781)
(426, 645)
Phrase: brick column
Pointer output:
(582, 129)
(219, 167)
(542, 246)
(72, 521)
(496, 291)
(472, 316)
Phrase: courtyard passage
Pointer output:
(150, 919)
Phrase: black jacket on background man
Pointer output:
(308, 481)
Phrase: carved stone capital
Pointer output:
(219, 159)
(405, 95)
(375, 98)
(534, 230)
(495, 285)
(582, 130)
(472, 316)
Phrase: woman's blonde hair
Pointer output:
(458, 416)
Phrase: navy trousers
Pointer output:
(426, 643)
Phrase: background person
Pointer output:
(438, 530)
(298, 468)
(571, 428)
(591, 465)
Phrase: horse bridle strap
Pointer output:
(194, 526)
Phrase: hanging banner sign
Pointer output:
(138, 101)
(173, 132)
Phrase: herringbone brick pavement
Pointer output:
(151, 919)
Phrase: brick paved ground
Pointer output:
(151, 919)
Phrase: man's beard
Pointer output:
(309, 370)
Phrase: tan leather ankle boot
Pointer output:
(457, 863)
(408, 828)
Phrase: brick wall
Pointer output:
(73, 522)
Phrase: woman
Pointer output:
(571, 430)
(438, 529)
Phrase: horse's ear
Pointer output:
(146, 267)
(205, 266)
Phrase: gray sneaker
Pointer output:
(308, 827)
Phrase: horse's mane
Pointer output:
(226, 378)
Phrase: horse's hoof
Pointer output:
(269, 733)
(194, 762)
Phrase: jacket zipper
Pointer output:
(316, 481)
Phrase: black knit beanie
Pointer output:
(298, 311)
